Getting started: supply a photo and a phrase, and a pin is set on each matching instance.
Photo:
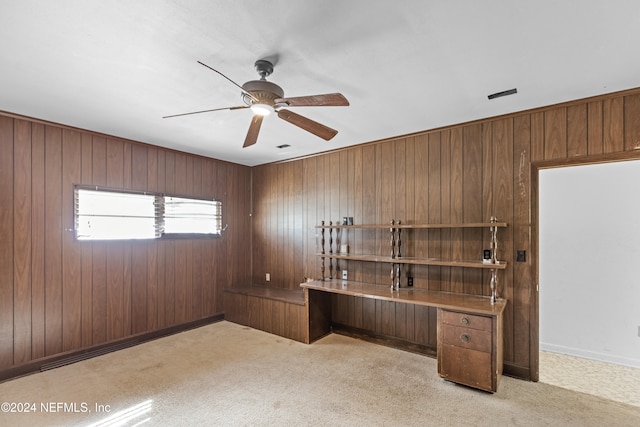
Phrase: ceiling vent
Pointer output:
(503, 93)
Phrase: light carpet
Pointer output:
(608, 380)
(229, 375)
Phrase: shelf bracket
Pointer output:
(322, 250)
(399, 240)
(494, 285)
(494, 240)
(493, 230)
(392, 242)
(330, 249)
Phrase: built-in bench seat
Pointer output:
(275, 310)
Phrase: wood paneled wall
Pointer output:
(464, 173)
(58, 294)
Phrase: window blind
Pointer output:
(117, 215)
(111, 215)
(187, 216)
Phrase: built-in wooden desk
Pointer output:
(469, 327)
(278, 311)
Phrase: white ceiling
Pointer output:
(118, 66)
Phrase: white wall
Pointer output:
(589, 219)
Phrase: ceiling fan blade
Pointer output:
(328, 100)
(309, 125)
(207, 111)
(240, 87)
(254, 128)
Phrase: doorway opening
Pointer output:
(589, 278)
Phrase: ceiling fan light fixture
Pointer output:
(261, 109)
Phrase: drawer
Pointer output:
(462, 337)
(466, 320)
(469, 367)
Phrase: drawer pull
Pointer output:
(465, 338)
(464, 320)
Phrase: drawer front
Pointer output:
(466, 320)
(466, 338)
(469, 367)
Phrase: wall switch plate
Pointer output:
(521, 255)
(268, 277)
(345, 275)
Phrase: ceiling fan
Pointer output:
(264, 97)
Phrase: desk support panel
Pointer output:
(319, 303)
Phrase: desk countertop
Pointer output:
(470, 303)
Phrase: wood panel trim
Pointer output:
(586, 160)
(75, 355)
(517, 371)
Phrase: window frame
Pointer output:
(159, 220)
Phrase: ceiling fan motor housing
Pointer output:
(265, 92)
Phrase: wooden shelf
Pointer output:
(501, 265)
(394, 228)
(418, 226)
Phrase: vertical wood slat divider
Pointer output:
(53, 241)
(87, 252)
(37, 242)
(99, 293)
(71, 252)
(523, 294)
(152, 248)
(6, 237)
(115, 250)
(22, 240)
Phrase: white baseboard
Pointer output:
(608, 358)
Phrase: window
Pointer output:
(112, 215)
(119, 215)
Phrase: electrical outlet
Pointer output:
(345, 275)
(521, 255)
(268, 277)
(409, 281)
